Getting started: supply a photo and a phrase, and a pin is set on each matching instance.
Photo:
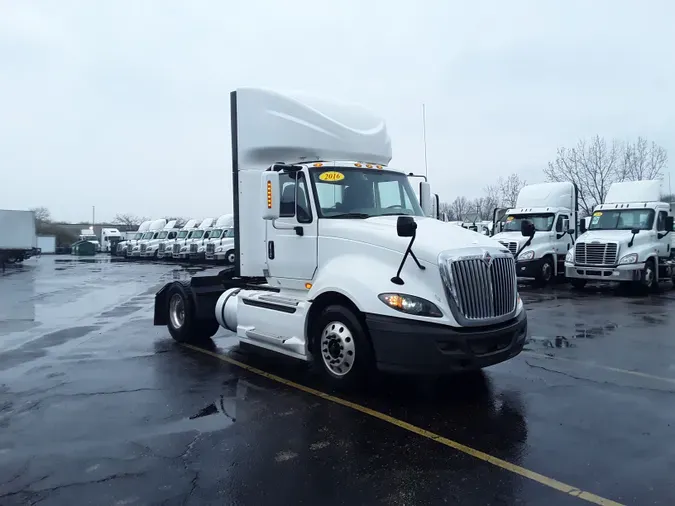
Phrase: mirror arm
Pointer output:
(527, 243)
(397, 279)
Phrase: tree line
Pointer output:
(592, 165)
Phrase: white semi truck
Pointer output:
(124, 247)
(337, 263)
(551, 207)
(87, 234)
(220, 246)
(153, 231)
(110, 238)
(629, 239)
(150, 249)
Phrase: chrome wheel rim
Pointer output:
(230, 258)
(546, 271)
(338, 350)
(176, 311)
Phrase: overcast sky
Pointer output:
(123, 104)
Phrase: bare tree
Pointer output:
(509, 189)
(447, 209)
(128, 220)
(642, 161)
(42, 215)
(460, 207)
(593, 166)
(668, 198)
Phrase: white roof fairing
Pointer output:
(628, 192)
(298, 127)
(543, 195)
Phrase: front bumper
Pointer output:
(411, 346)
(197, 256)
(628, 272)
(149, 253)
(135, 253)
(528, 268)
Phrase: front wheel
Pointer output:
(182, 322)
(648, 282)
(342, 349)
(545, 271)
(230, 257)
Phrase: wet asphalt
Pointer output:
(99, 407)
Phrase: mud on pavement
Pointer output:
(98, 406)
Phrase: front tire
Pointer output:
(648, 282)
(342, 349)
(545, 272)
(182, 322)
(230, 257)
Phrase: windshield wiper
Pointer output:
(350, 215)
(393, 214)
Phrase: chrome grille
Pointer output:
(210, 248)
(511, 246)
(161, 248)
(176, 248)
(144, 247)
(481, 288)
(595, 253)
(193, 248)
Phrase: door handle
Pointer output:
(299, 230)
(270, 250)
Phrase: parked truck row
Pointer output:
(205, 240)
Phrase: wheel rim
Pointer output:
(546, 271)
(230, 258)
(176, 311)
(337, 348)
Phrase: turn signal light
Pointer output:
(269, 194)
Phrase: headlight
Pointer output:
(526, 255)
(219, 249)
(631, 258)
(410, 304)
(570, 256)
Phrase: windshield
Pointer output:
(229, 232)
(89, 238)
(197, 234)
(542, 222)
(624, 219)
(148, 235)
(182, 234)
(162, 235)
(137, 236)
(215, 234)
(362, 193)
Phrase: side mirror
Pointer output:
(634, 231)
(425, 198)
(527, 228)
(566, 224)
(669, 223)
(406, 226)
(270, 195)
(582, 226)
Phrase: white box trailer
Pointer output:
(46, 244)
(18, 240)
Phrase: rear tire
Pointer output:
(182, 323)
(342, 349)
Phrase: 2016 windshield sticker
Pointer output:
(597, 213)
(510, 218)
(331, 176)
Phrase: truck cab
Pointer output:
(124, 247)
(337, 263)
(179, 249)
(151, 248)
(140, 246)
(110, 237)
(629, 239)
(200, 238)
(220, 245)
(551, 208)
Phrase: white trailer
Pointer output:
(18, 240)
(46, 244)
(337, 262)
(629, 239)
(551, 208)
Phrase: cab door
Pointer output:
(292, 242)
(562, 241)
(663, 244)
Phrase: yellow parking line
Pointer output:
(539, 478)
(600, 366)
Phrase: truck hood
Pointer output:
(609, 235)
(433, 236)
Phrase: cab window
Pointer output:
(661, 221)
(294, 202)
(559, 223)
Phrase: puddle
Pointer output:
(581, 331)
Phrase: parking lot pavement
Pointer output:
(98, 407)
